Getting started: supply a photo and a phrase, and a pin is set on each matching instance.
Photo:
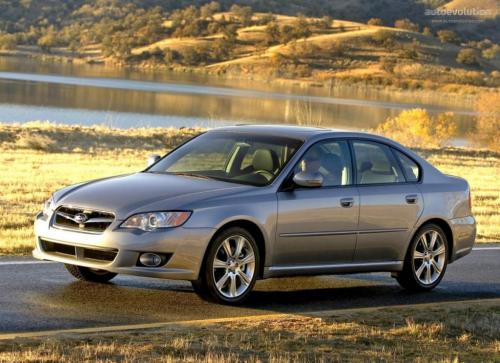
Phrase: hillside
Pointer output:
(235, 40)
(489, 7)
(481, 19)
(317, 49)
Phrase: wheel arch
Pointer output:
(445, 226)
(256, 232)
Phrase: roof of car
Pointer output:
(283, 130)
(302, 132)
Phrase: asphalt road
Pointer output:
(38, 296)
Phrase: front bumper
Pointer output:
(185, 247)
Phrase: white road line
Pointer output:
(486, 249)
(10, 263)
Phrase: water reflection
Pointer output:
(189, 100)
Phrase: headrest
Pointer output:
(263, 160)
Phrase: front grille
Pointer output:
(82, 219)
(76, 252)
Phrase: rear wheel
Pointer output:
(230, 268)
(89, 274)
(426, 259)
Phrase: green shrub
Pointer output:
(448, 36)
(375, 21)
(8, 41)
(467, 56)
(416, 128)
(406, 24)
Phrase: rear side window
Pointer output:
(412, 171)
(376, 164)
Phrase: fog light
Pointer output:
(150, 259)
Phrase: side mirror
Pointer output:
(308, 180)
(153, 159)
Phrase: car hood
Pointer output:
(142, 192)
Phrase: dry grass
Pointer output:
(481, 169)
(29, 172)
(437, 334)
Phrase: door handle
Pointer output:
(411, 199)
(347, 202)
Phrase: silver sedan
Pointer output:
(242, 203)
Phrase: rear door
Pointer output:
(390, 202)
(317, 226)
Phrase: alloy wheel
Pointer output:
(429, 257)
(234, 266)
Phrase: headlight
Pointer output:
(48, 207)
(153, 220)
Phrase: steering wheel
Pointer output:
(265, 173)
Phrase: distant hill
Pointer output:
(221, 37)
(20, 15)
(482, 19)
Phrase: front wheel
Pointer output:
(230, 268)
(426, 259)
(89, 274)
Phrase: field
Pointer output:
(457, 332)
(37, 158)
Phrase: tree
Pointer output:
(266, 19)
(448, 36)
(325, 22)
(170, 56)
(375, 21)
(491, 53)
(244, 13)
(384, 37)
(48, 40)
(406, 24)
(7, 41)
(300, 28)
(213, 27)
(272, 33)
(190, 56)
(427, 31)
(487, 130)
(286, 34)
(230, 32)
(416, 128)
(221, 49)
(207, 10)
(467, 56)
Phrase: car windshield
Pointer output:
(230, 156)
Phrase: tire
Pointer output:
(236, 275)
(88, 274)
(426, 259)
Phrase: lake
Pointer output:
(124, 98)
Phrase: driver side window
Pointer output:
(331, 160)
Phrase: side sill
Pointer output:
(325, 269)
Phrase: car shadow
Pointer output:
(175, 300)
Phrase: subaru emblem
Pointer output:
(80, 218)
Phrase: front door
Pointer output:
(317, 226)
